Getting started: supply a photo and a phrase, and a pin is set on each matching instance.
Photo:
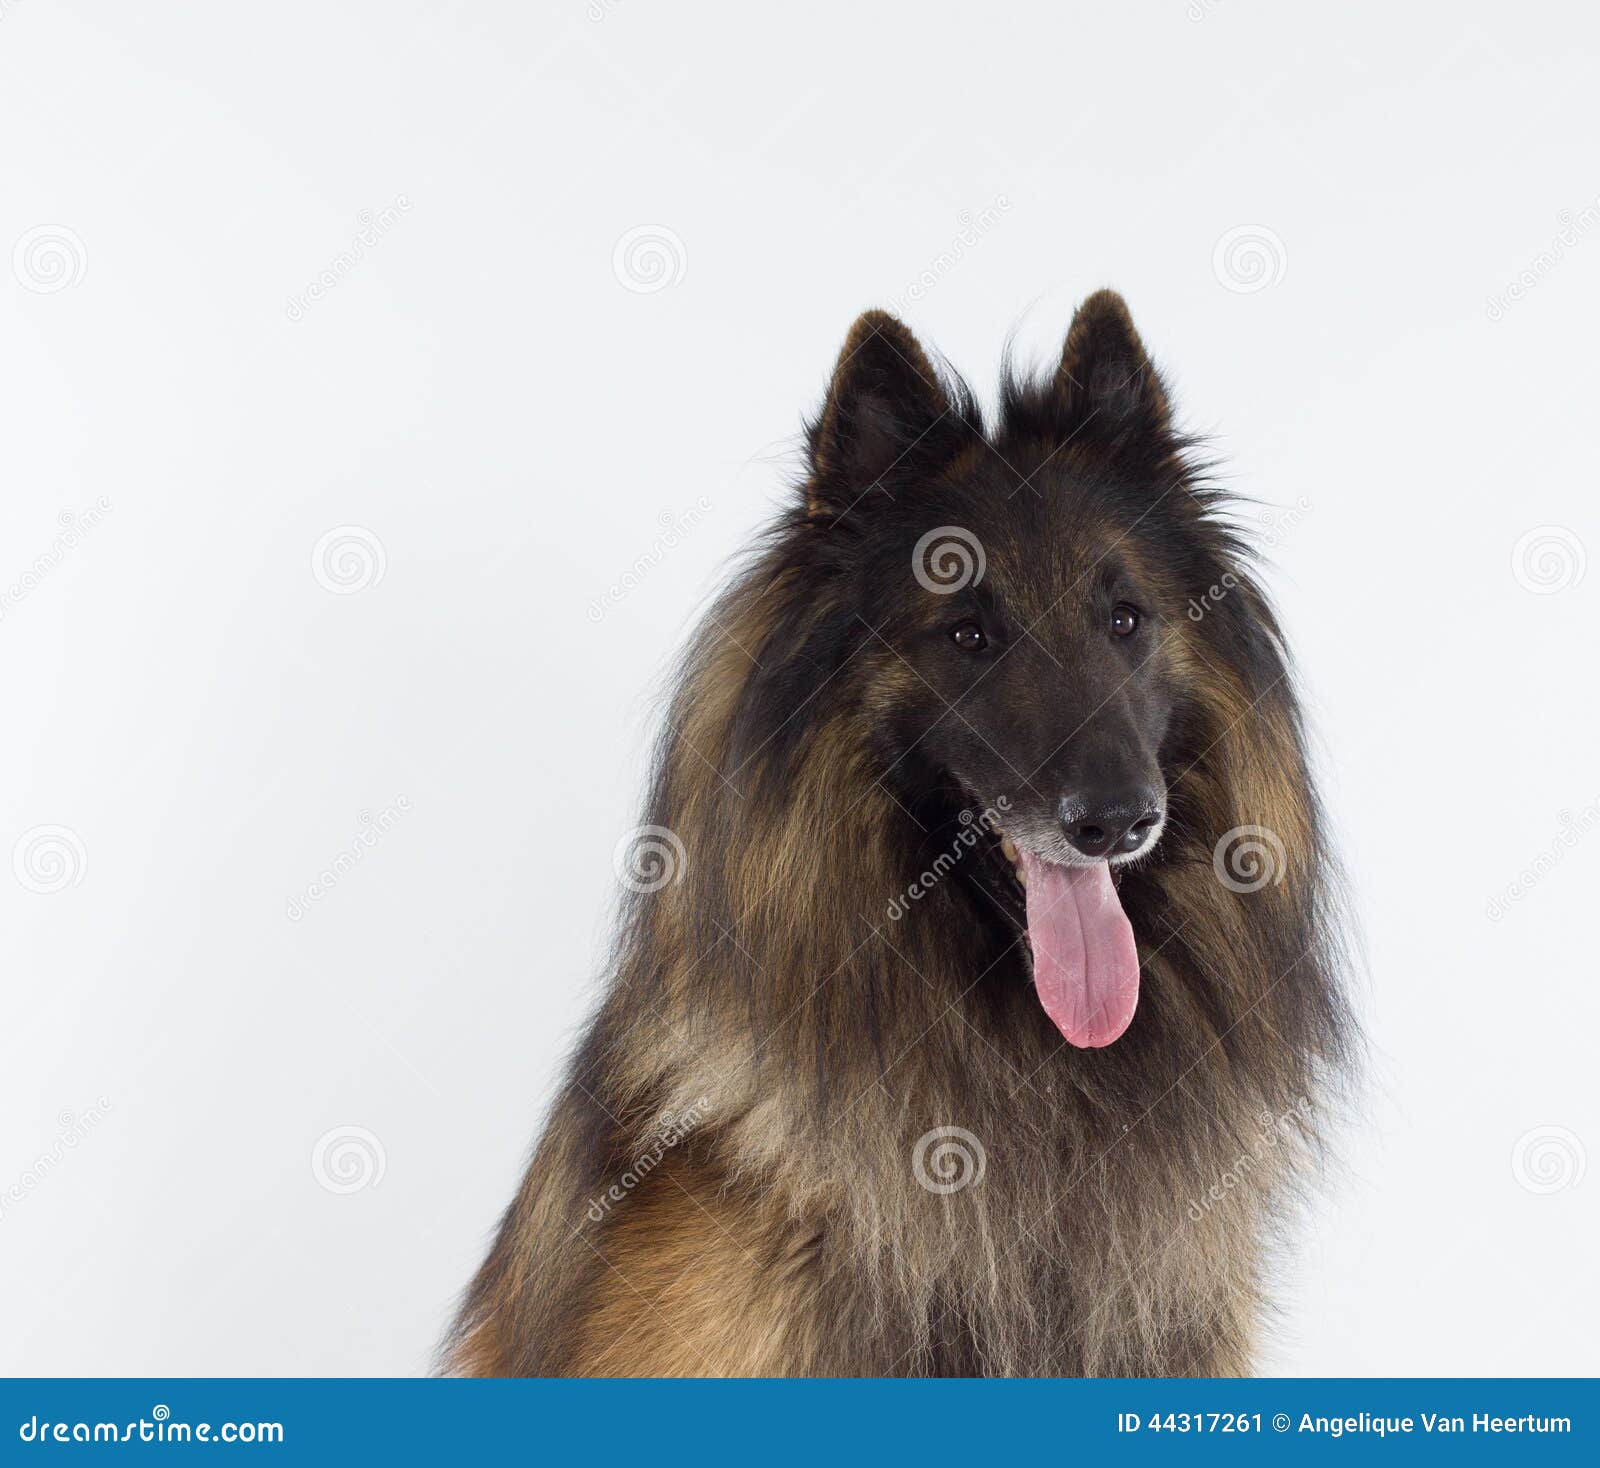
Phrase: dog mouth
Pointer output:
(1084, 958)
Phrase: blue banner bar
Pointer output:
(819, 1424)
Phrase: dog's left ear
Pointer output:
(886, 411)
(1106, 378)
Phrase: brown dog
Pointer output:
(976, 1005)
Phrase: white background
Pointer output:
(492, 397)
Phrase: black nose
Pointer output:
(1110, 825)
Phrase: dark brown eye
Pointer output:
(1124, 619)
(968, 636)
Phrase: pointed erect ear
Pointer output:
(1106, 377)
(885, 412)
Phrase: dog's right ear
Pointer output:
(886, 410)
(1106, 377)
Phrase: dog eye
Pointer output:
(1124, 619)
(969, 637)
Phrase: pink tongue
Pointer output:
(1085, 963)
